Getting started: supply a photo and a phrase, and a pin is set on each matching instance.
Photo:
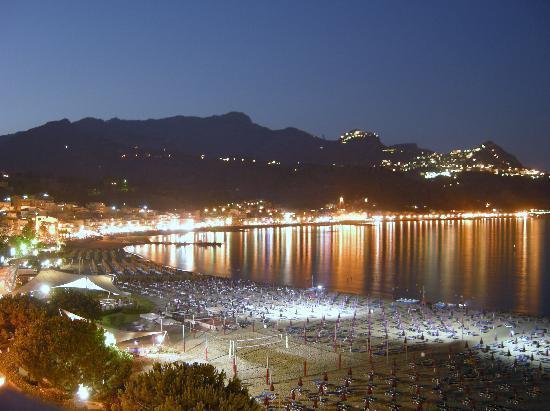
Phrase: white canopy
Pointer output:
(60, 279)
(119, 335)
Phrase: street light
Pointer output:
(45, 289)
(109, 339)
(83, 393)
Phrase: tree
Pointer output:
(176, 386)
(68, 353)
(76, 302)
(4, 244)
(17, 311)
(28, 233)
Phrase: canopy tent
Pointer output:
(124, 336)
(120, 336)
(59, 279)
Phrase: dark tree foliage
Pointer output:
(4, 244)
(28, 231)
(176, 386)
(17, 311)
(68, 353)
(76, 302)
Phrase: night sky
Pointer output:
(440, 73)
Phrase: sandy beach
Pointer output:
(301, 349)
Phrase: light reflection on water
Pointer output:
(493, 263)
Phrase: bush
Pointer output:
(177, 386)
(77, 302)
(68, 353)
(17, 311)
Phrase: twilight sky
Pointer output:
(441, 73)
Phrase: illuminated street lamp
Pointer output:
(45, 289)
(83, 393)
(109, 339)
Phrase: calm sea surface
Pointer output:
(494, 264)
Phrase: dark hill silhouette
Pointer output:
(228, 135)
(161, 159)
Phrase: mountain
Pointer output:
(230, 135)
(193, 160)
(487, 157)
(225, 136)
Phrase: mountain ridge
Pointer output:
(199, 160)
(235, 134)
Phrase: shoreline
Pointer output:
(141, 237)
(289, 311)
(341, 347)
(348, 293)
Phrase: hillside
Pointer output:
(190, 160)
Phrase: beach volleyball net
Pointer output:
(256, 342)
